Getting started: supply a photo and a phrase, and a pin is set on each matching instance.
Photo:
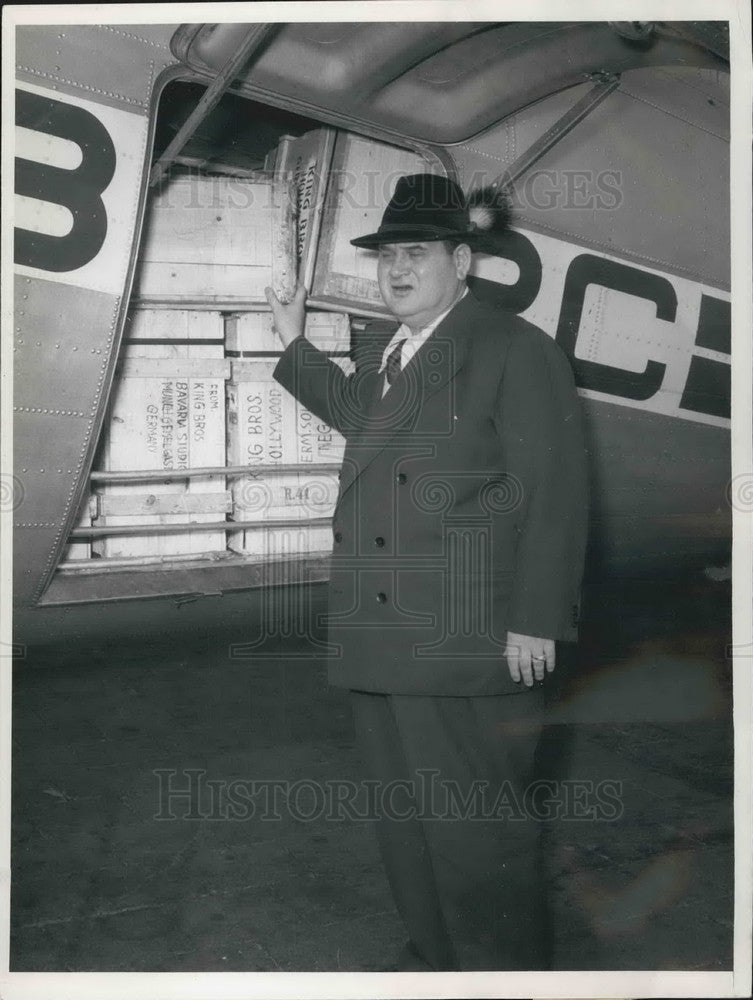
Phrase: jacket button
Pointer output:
(379, 542)
(381, 597)
(401, 478)
(338, 536)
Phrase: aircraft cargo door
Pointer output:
(208, 475)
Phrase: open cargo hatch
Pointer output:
(437, 82)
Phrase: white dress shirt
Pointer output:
(412, 341)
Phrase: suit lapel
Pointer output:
(436, 363)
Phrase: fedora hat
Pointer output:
(428, 207)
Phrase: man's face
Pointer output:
(418, 281)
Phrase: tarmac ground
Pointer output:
(120, 711)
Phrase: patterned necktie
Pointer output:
(394, 366)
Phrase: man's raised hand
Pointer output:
(289, 317)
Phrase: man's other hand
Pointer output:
(289, 317)
(528, 657)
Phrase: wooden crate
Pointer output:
(261, 417)
(306, 160)
(363, 178)
(165, 413)
(267, 426)
(279, 498)
(253, 333)
(271, 544)
(275, 496)
(179, 504)
(216, 242)
(173, 333)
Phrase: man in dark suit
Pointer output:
(459, 539)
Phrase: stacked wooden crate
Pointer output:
(216, 242)
(194, 385)
(167, 411)
(211, 243)
(267, 427)
(304, 162)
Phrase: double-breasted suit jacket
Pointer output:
(462, 507)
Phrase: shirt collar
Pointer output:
(404, 332)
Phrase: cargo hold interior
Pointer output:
(193, 386)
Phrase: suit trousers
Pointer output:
(461, 847)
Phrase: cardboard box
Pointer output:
(164, 414)
(363, 178)
(216, 242)
(253, 333)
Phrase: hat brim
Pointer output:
(412, 234)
